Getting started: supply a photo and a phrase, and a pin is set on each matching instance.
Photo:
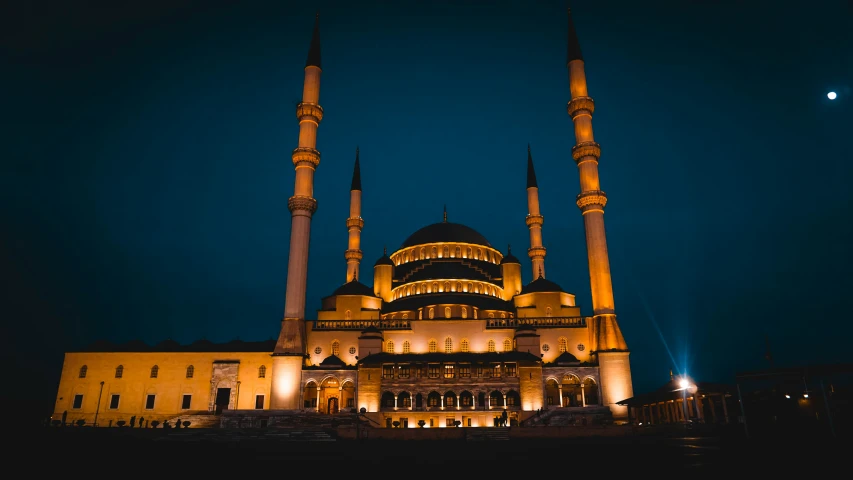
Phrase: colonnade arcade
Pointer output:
(328, 395)
(570, 391)
(497, 399)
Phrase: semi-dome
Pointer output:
(446, 232)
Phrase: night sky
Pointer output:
(146, 166)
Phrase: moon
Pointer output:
(831, 95)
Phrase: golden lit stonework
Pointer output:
(355, 223)
(306, 156)
(584, 150)
(309, 112)
(302, 203)
(534, 220)
(581, 106)
(592, 199)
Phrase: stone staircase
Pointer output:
(487, 434)
(559, 417)
(249, 434)
(197, 420)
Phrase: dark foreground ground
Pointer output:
(161, 453)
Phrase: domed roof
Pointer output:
(446, 232)
(384, 259)
(354, 287)
(541, 285)
(509, 258)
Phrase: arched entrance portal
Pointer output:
(572, 395)
(332, 405)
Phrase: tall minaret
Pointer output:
(354, 224)
(607, 340)
(536, 252)
(290, 349)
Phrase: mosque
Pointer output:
(447, 335)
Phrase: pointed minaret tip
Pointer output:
(356, 174)
(385, 250)
(509, 249)
(445, 213)
(540, 273)
(531, 173)
(314, 50)
(574, 47)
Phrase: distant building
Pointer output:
(447, 332)
(682, 400)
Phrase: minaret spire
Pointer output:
(445, 213)
(534, 221)
(608, 344)
(302, 205)
(289, 352)
(354, 224)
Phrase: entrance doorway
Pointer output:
(223, 398)
(332, 405)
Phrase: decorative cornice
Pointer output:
(302, 155)
(581, 106)
(592, 200)
(586, 149)
(534, 220)
(534, 252)
(357, 222)
(353, 255)
(310, 112)
(302, 203)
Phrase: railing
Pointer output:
(362, 324)
(538, 322)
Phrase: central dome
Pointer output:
(445, 232)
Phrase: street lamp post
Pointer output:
(98, 407)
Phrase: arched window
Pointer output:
(458, 286)
(434, 287)
(190, 371)
(464, 312)
(507, 345)
(463, 345)
(563, 344)
(491, 314)
(389, 347)
(448, 345)
(479, 255)
(119, 371)
(445, 252)
(336, 348)
(446, 286)
(154, 371)
(406, 347)
(432, 346)
(470, 287)
(447, 312)
(548, 311)
(491, 345)
(468, 252)
(262, 371)
(422, 253)
(458, 252)
(83, 371)
(405, 316)
(348, 315)
(434, 252)
(431, 313)
(503, 314)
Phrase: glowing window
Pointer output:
(491, 345)
(447, 312)
(318, 350)
(432, 346)
(464, 312)
(405, 316)
(406, 347)
(446, 286)
(389, 347)
(507, 345)
(463, 345)
(348, 315)
(83, 370)
(190, 371)
(155, 370)
(563, 344)
(458, 252)
(119, 371)
(446, 252)
(491, 314)
(448, 345)
(336, 348)
(546, 347)
(434, 252)
(435, 287)
(431, 313)
(352, 350)
(262, 371)
(548, 311)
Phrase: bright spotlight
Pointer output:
(683, 383)
(831, 95)
(787, 396)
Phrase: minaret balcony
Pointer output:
(310, 112)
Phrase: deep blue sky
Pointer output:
(146, 165)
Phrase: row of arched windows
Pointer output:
(448, 346)
(426, 253)
(420, 288)
(448, 313)
(155, 371)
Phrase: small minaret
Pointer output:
(354, 224)
(290, 348)
(607, 342)
(536, 252)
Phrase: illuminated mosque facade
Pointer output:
(447, 334)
